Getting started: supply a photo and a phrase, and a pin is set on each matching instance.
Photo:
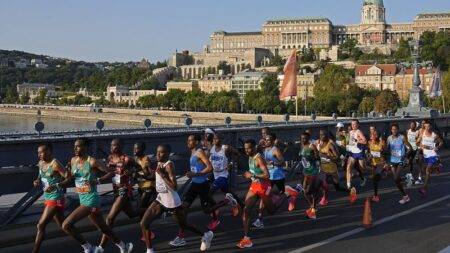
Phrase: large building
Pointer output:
(280, 36)
(33, 90)
(123, 94)
(392, 77)
(215, 83)
(247, 80)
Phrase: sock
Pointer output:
(86, 246)
(181, 233)
(150, 250)
(349, 185)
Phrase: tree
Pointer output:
(225, 67)
(403, 52)
(25, 99)
(387, 100)
(436, 48)
(41, 97)
(11, 95)
(366, 105)
(150, 84)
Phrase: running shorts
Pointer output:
(431, 161)
(60, 204)
(261, 189)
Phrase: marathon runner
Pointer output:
(52, 178)
(355, 147)
(341, 142)
(200, 167)
(430, 142)
(219, 154)
(420, 159)
(83, 169)
(121, 164)
(168, 200)
(377, 147)
(329, 159)
(259, 188)
(397, 144)
(412, 135)
(310, 160)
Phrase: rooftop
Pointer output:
(236, 33)
(302, 19)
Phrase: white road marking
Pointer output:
(379, 222)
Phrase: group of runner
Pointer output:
(209, 165)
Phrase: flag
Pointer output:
(436, 86)
(289, 85)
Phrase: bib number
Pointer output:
(161, 188)
(375, 154)
(116, 179)
(325, 160)
(305, 163)
(45, 183)
(396, 153)
(82, 187)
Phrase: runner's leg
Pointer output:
(47, 215)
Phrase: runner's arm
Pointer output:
(58, 168)
(96, 164)
(262, 165)
(440, 142)
(204, 159)
(170, 177)
(279, 156)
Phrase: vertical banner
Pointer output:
(289, 85)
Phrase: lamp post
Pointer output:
(416, 106)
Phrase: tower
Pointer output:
(372, 12)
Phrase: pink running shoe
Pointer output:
(323, 201)
(291, 203)
(213, 224)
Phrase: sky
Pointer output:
(117, 30)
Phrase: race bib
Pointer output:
(161, 188)
(429, 153)
(353, 149)
(117, 179)
(82, 186)
(305, 163)
(339, 143)
(45, 183)
(396, 153)
(375, 154)
(325, 160)
(193, 169)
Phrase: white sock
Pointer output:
(150, 250)
(86, 246)
(349, 185)
(121, 245)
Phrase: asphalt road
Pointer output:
(422, 225)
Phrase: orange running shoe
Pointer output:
(291, 205)
(291, 191)
(311, 213)
(323, 201)
(353, 196)
(245, 243)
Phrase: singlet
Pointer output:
(275, 172)
(429, 141)
(142, 182)
(353, 142)
(83, 175)
(375, 151)
(120, 177)
(325, 149)
(49, 177)
(253, 168)
(219, 162)
(197, 167)
(412, 137)
(309, 162)
(397, 148)
(167, 196)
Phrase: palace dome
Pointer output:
(374, 2)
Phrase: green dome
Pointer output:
(374, 2)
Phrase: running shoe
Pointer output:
(245, 243)
(150, 251)
(363, 182)
(128, 248)
(98, 249)
(353, 195)
(409, 180)
(291, 203)
(291, 191)
(213, 224)
(311, 213)
(423, 192)
(88, 248)
(405, 199)
(206, 240)
(419, 181)
(233, 203)
(177, 242)
(258, 224)
(375, 198)
(323, 201)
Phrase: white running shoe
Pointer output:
(177, 242)
(231, 199)
(128, 248)
(98, 249)
(409, 180)
(404, 200)
(258, 224)
(206, 241)
(419, 181)
(87, 248)
(150, 251)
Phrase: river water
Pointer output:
(22, 123)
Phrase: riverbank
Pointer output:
(159, 118)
